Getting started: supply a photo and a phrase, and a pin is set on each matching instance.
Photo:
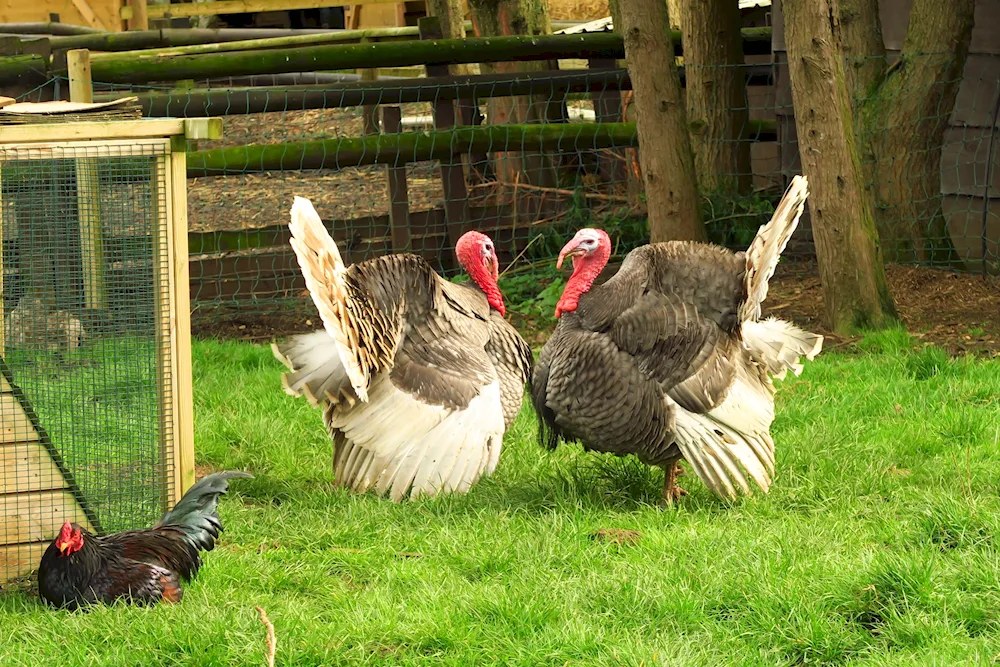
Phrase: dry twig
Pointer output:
(272, 643)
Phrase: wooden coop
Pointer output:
(95, 351)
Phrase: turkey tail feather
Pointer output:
(316, 370)
(195, 515)
(780, 344)
(323, 269)
(765, 250)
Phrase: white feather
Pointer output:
(780, 344)
(323, 270)
(730, 438)
(408, 448)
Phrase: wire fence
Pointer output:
(407, 164)
(84, 410)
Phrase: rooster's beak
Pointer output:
(62, 547)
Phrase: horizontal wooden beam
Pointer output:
(396, 149)
(231, 101)
(135, 68)
(242, 7)
(144, 68)
(118, 129)
(26, 69)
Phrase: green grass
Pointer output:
(876, 546)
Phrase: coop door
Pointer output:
(85, 342)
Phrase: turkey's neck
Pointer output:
(490, 288)
(585, 272)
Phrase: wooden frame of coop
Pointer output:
(37, 491)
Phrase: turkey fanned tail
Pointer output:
(323, 269)
(765, 250)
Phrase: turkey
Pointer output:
(418, 378)
(669, 358)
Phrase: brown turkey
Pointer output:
(418, 377)
(669, 359)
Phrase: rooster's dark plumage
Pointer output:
(145, 566)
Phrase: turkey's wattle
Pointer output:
(669, 359)
(418, 377)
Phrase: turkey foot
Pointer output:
(671, 491)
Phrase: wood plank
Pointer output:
(977, 94)
(87, 12)
(986, 28)
(242, 7)
(964, 160)
(4, 387)
(36, 517)
(91, 130)
(180, 305)
(14, 423)
(17, 560)
(81, 86)
(139, 18)
(965, 223)
(28, 467)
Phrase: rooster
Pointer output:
(142, 566)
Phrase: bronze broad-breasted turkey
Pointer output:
(669, 358)
(418, 377)
(138, 566)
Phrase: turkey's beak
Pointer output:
(569, 250)
(492, 265)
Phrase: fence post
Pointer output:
(139, 18)
(456, 199)
(369, 112)
(88, 187)
(608, 109)
(399, 199)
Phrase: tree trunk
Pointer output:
(717, 109)
(664, 146)
(860, 37)
(493, 18)
(903, 121)
(451, 14)
(855, 292)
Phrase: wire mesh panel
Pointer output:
(85, 397)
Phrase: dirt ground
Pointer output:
(958, 312)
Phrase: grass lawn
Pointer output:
(876, 546)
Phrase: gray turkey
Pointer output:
(669, 358)
(418, 377)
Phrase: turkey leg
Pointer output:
(671, 491)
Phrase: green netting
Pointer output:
(85, 398)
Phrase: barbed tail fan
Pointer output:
(668, 359)
(418, 377)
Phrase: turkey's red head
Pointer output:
(590, 250)
(70, 539)
(478, 256)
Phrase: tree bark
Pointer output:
(664, 145)
(860, 37)
(495, 18)
(903, 121)
(855, 291)
(717, 109)
(451, 14)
